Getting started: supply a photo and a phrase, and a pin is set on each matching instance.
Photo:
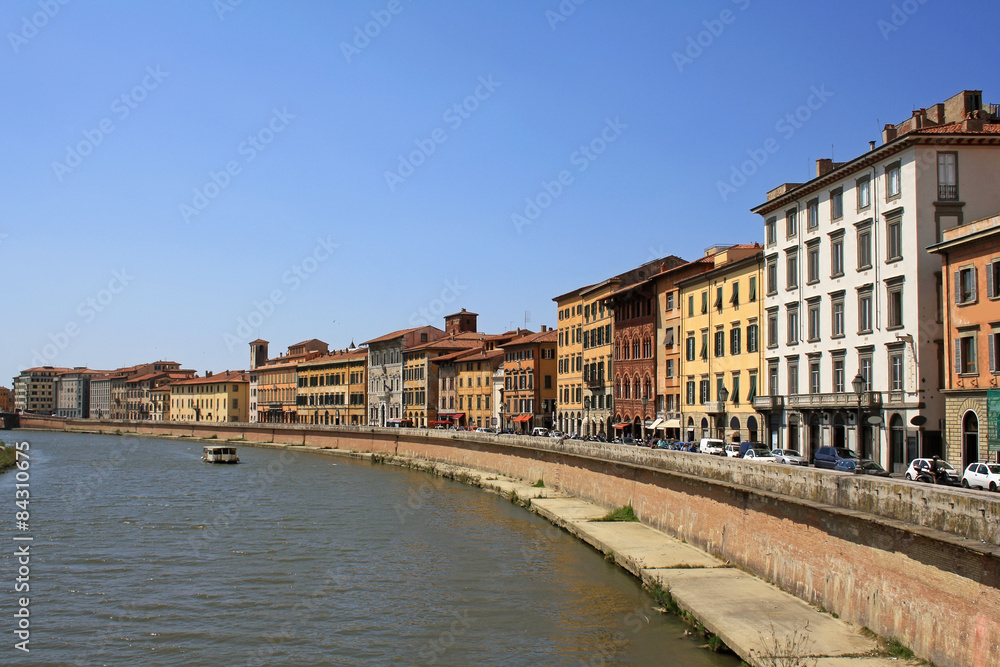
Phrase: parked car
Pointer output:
(732, 451)
(828, 457)
(627, 440)
(758, 454)
(485, 429)
(789, 457)
(711, 446)
(922, 470)
(744, 446)
(664, 444)
(539, 431)
(982, 476)
(555, 434)
(861, 467)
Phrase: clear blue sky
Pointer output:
(188, 88)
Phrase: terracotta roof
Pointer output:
(957, 128)
(391, 336)
(550, 336)
(227, 376)
(54, 369)
(337, 355)
(259, 340)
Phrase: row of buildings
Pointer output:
(865, 316)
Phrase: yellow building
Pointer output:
(222, 397)
(569, 377)
(721, 356)
(474, 371)
(331, 388)
(159, 403)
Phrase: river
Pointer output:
(143, 555)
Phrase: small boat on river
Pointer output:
(219, 454)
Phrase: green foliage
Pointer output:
(625, 513)
(8, 456)
(539, 484)
(898, 650)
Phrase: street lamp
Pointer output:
(723, 397)
(586, 414)
(859, 387)
(645, 400)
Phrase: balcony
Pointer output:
(840, 400)
(714, 407)
(595, 381)
(767, 402)
(947, 192)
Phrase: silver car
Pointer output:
(789, 457)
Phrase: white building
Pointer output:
(850, 289)
(385, 371)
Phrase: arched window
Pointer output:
(635, 349)
(618, 351)
(638, 393)
(752, 429)
(970, 438)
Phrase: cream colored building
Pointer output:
(221, 397)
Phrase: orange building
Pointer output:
(277, 379)
(530, 370)
(970, 255)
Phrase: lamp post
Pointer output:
(586, 415)
(336, 415)
(858, 383)
(642, 424)
(723, 397)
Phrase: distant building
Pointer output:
(277, 379)
(220, 397)
(385, 371)
(6, 400)
(35, 389)
(530, 381)
(73, 392)
(970, 257)
(331, 388)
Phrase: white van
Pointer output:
(539, 431)
(711, 446)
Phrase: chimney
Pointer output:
(823, 166)
(871, 145)
(208, 374)
(888, 133)
(545, 328)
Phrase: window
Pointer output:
(893, 187)
(690, 392)
(670, 368)
(704, 302)
(720, 343)
(752, 296)
(753, 335)
(772, 275)
(837, 254)
(993, 345)
(690, 304)
(812, 262)
(863, 187)
(865, 310)
(718, 299)
(670, 300)
(864, 246)
(791, 225)
(894, 294)
(992, 279)
(734, 340)
(814, 320)
(947, 176)
(772, 379)
(793, 376)
(965, 354)
(812, 214)
(894, 239)
(837, 204)
(752, 390)
(772, 328)
(792, 269)
(837, 315)
(838, 374)
(704, 345)
(770, 230)
(793, 323)
(965, 285)
(865, 369)
(896, 370)
(703, 392)
(689, 347)
(814, 377)
(735, 298)
(734, 395)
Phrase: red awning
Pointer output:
(522, 418)
(622, 425)
(438, 422)
(451, 415)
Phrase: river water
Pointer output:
(144, 555)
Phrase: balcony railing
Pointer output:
(595, 381)
(844, 400)
(767, 402)
(713, 407)
(947, 192)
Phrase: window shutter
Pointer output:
(990, 287)
(958, 287)
(958, 355)
(752, 392)
(975, 282)
(992, 342)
